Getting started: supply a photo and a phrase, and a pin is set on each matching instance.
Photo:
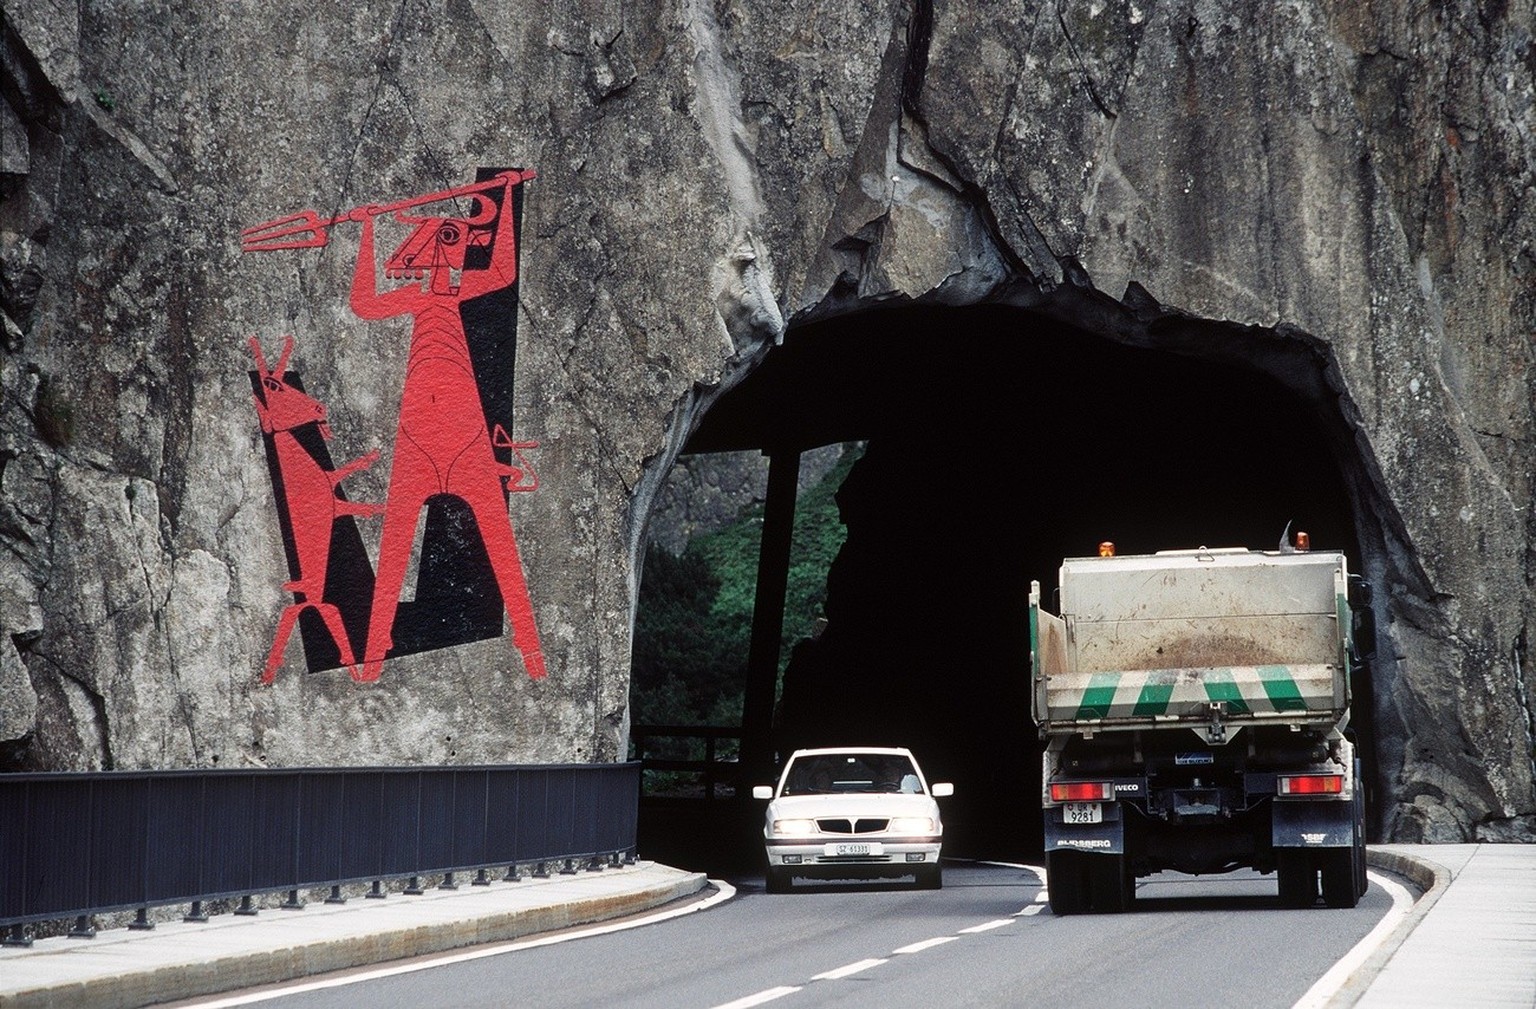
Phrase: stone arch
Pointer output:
(1004, 437)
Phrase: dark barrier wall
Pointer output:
(75, 844)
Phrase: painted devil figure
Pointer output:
(450, 456)
(441, 442)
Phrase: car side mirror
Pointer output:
(942, 788)
(762, 791)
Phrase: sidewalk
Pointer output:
(123, 968)
(1469, 940)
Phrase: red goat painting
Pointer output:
(311, 501)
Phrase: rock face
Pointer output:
(1340, 194)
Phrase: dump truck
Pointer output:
(1194, 711)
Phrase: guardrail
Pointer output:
(650, 746)
(78, 844)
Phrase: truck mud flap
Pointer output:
(1313, 825)
(1107, 837)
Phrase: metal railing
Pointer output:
(658, 749)
(78, 844)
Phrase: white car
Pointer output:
(856, 811)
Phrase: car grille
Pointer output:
(852, 826)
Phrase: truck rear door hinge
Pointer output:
(1216, 729)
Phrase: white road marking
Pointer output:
(725, 891)
(767, 995)
(847, 969)
(986, 926)
(1329, 984)
(918, 947)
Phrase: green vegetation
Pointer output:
(694, 619)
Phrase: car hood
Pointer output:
(851, 804)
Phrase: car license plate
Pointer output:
(1083, 812)
(853, 849)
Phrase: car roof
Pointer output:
(822, 750)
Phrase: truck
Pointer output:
(1193, 707)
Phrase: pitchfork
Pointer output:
(307, 230)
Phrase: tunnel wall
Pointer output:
(1332, 180)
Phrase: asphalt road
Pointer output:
(984, 940)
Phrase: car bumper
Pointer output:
(823, 856)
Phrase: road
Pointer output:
(986, 939)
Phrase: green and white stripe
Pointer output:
(1255, 691)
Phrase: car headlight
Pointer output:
(794, 828)
(911, 825)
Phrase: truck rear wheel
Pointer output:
(1067, 881)
(1080, 883)
(1297, 874)
(1339, 876)
(1107, 883)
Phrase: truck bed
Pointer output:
(1148, 641)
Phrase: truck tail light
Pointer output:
(1311, 784)
(1082, 791)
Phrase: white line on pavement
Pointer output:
(725, 891)
(1329, 984)
(767, 995)
(986, 926)
(847, 969)
(918, 947)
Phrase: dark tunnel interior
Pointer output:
(998, 443)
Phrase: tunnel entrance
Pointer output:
(999, 441)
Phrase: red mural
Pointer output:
(454, 277)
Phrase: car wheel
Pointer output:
(778, 879)
(930, 877)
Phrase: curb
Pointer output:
(218, 974)
(1431, 878)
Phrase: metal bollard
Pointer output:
(141, 921)
(447, 883)
(335, 897)
(246, 907)
(413, 888)
(293, 903)
(377, 893)
(512, 876)
(481, 879)
(195, 913)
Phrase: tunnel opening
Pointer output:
(999, 440)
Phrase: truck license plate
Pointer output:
(1083, 812)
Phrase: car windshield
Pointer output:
(826, 773)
